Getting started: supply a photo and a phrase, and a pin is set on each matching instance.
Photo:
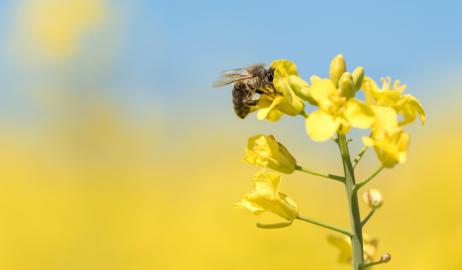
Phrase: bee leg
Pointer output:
(251, 102)
(273, 90)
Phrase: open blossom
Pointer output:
(263, 150)
(343, 244)
(390, 145)
(391, 95)
(389, 140)
(336, 113)
(286, 81)
(266, 198)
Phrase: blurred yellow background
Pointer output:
(108, 162)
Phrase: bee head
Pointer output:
(270, 74)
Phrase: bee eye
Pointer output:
(270, 76)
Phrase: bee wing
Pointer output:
(232, 76)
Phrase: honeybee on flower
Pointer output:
(274, 87)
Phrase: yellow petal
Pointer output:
(390, 146)
(265, 151)
(321, 90)
(291, 104)
(359, 114)
(285, 67)
(266, 197)
(385, 118)
(245, 204)
(343, 244)
(370, 88)
(367, 141)
(266, 182)
(321, 126)
(409, 107)
(264, 112)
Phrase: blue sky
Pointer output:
(194, 40)
(174, 49)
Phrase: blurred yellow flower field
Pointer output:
(98, 213)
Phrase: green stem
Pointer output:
(327, 226)
(366, 219)
(363, 183)
(330, 176)
(355, 217)
(359, 156)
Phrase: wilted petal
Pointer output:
(409, 107)
(266, 197)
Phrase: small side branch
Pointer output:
(366, 219)
(330, 176)
(384, 259)
(367, 265)
(359, 156)
(363, 183)
(327, 226)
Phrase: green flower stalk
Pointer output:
(385, 112)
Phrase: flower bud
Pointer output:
(358, 77)
(301, 88)
(373, 198)
(385, 258)
(346, 85)
(337, 68)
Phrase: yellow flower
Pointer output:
(392, 96)
(389, 140)
(336, 112)
(265, 151)
(390, 145)
(343, 243)
(266, 198)
(288, 85)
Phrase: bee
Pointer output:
(248, 81)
